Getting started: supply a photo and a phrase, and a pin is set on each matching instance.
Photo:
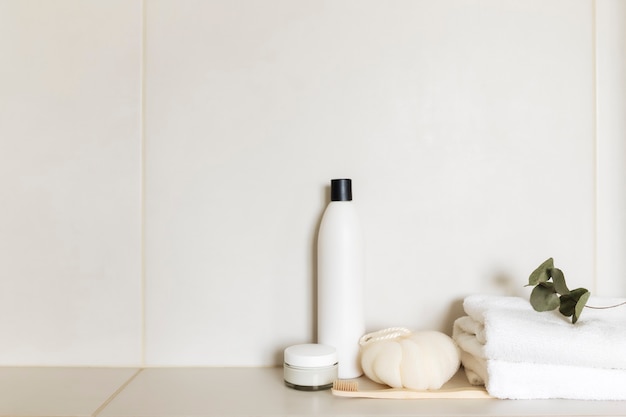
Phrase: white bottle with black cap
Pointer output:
(340, 279)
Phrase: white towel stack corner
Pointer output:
(518, 353)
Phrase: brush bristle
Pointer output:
(345, 385)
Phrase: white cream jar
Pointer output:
(310, 367)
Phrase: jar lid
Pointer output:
(310, 355)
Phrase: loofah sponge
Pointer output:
(414, 360)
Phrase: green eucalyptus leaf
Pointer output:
(568, 305)
(540, 274)
(582, 301)
(549, 295)
(544, 297)
(572, 304)
(559, 281)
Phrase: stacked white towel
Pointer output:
(519, 353)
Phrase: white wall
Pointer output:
(165, 166)
(70, 182)
(611, 149)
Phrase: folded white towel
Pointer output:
(518, 353)
(508, 329)
(518, 381)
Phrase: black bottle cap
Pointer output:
(341, 190)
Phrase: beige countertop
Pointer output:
(165, 392)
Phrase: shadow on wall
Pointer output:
(455, 311)
(313, 267)
(508, 285)
(325, 199)
(505, 284)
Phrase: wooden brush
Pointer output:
(350, 388)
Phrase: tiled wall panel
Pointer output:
(467, 127)
(70, 164)
(611, 146)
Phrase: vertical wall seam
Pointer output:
(594, 57)
(142, 139)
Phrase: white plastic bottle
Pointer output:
(340, 279)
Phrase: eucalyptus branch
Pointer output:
(551, 292)
(607, 307)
